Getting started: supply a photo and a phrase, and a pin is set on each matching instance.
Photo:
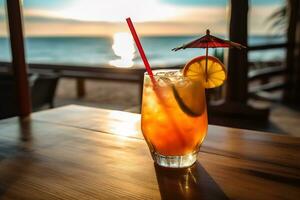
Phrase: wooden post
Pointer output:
(235, 111)
(237, 84)
(291, 92)
(18, 57)
(80, 87)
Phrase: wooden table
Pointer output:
(78, 152)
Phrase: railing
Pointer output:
(105, 72)
(265, 74)
(90, 72)
(268, 46)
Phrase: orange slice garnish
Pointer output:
(216, 72)
(191, 99)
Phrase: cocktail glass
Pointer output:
(174, 118)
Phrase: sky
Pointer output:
(151, 17)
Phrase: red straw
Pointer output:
(148, 68)
(140, 48)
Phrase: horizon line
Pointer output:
(142, 35)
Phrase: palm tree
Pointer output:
(287, 19)
(279, 19)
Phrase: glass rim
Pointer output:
(162, 70)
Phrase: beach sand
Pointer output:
(100, 94)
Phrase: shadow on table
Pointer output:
(188, 183)
(25, 129)
(15, 157)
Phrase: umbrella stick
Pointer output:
(206, 60)
(206, 57)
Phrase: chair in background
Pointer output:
(42, 88)
(43, 91)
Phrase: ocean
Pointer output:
(96, 51)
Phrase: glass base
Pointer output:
(175, 161)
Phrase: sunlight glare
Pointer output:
(118, 10)
(124, 48)
(127, 125)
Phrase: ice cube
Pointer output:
(171, 77)
(163, 81)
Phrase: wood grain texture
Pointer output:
(49, 160)
(238, 143)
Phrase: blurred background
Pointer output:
(81, 52)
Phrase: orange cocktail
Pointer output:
(174, 115)
(174, 118)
